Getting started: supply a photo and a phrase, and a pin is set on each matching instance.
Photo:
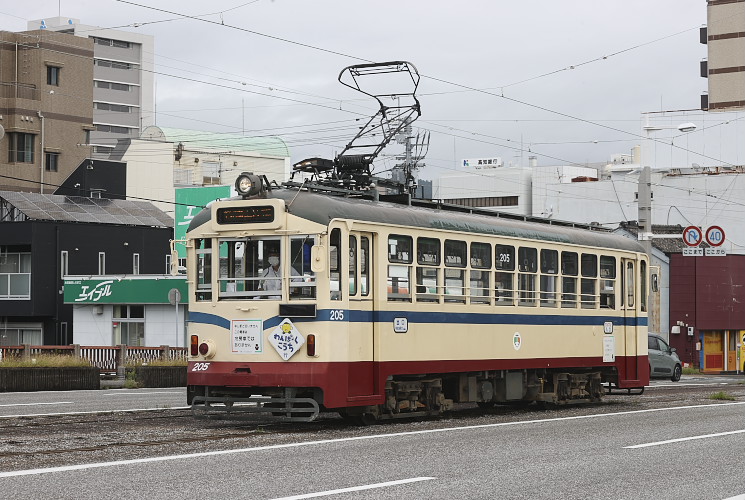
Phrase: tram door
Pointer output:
(361, 314)
(629, 306)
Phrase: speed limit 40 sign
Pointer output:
(715, 236)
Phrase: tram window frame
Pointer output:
(630, 284)
(479, 279)
(243, 271)
(549, 277)
(352, 265)
(302, 285)
(203, 278)
(569, 273)
(364, 266)
(399, 276)
(429, 257)
(643, 285)
(504, 263)
(607, 282)
(335, 253)
(455, 257)
(588, 283)
(527, 265)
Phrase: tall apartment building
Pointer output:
(123, 80)
(46, 91)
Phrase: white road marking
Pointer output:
(356, 488)
(59, 414)
(688, 385)
(738, 497)
(680, 440)
(37, 404)
(67, 468)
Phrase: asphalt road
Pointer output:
(672, 442)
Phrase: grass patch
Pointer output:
(690, 370)
(45, 360)
(722, 396)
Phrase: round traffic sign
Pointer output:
(715, 236)
(692, 236)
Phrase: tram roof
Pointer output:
(322, 208)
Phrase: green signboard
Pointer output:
(150, 290)
(189, 202)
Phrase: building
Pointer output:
(46, 91)
(164, 159)
(123, 80)
(724, 67)
(134, 310)
(47, 237)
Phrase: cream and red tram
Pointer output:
(379, 310)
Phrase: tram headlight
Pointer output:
(207, 349)
(248, 184)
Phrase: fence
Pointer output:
(105, 358)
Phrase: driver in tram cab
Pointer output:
(272, 275)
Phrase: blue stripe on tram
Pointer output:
(357, 316)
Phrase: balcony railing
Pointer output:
(13, 90)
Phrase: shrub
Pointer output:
(157, 362)
(44, 360)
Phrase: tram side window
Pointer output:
(480, 274)
(365, 266)
(549, 277)
(569, 272)
(527, 266)
(456, 256)
(203, 249)
(629, 292)
(428, 259)
(335, 263)
(504, 277)
(302, 284)
(399, 270)
(643, 284)
(588, 285)
(352, 265)
(607, 282)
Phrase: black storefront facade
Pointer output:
(39, 244)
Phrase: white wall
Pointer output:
(150, 173)
(91, 328)
(492, 182)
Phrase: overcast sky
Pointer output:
(567, 81)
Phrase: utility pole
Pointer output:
(645, 210)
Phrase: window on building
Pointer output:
(15, 275)
(118, 108)
(504, 278)
(20, 147)
(129, 325)
(19, 334)
(101, 263)
(51, 162)
(113, 86)
(53, 74)
(135, 263)
(63, 265)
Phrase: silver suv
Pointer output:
(663, 361)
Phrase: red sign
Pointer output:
(692, 236)
(715, 236)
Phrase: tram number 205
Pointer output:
(200, 367)
(336, 315)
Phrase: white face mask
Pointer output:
(273, 261)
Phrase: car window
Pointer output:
(663, 345)
(652, 343)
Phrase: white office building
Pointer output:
(123, 74)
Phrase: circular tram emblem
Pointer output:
(692, 236)
(517, 341)
(715, 236)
